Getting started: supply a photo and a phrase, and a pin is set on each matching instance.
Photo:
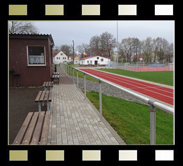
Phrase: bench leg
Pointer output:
(48, 105)
(39, 106)
(43, 103)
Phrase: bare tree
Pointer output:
(56, 48)
(67, 49)
(126, 46)
(136, 48)
(108, 42)
(147, 47)
(95, 45)
(22, 27)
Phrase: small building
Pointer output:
(76, 59)
(94, 61)
(30, 59)
(60, 57)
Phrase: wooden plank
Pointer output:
(44, 83)
(46, 95)
(30, 129)
(38, 96)
(42, 96)
(21, 133)
(38, 128)
(47, 83)
(45, 131)
(50, 96)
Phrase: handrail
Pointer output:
(153, 104)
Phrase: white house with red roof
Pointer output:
(94, 60)
(60, 57)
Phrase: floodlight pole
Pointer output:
(73, 51)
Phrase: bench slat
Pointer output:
(45, 132)
(46, 95)
(23, 129)
(37, 132)
(30, 130)
(38, 96)
(42, 96)
(47, 83)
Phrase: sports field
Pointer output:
(160, 93)
(162, 77)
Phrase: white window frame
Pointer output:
(28, 55)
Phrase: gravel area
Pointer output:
(106, 89)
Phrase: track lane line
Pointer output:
(146, 92)
(133, 86)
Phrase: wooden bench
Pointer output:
(48, 85)
(34, 129)
(55, 78)
(44, 97)
(55, 73)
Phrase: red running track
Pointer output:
(155, 91)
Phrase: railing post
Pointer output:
(85, 85)
(152, 123)
(100, 99)
(77, 78)
(73, 75)
(69, 71)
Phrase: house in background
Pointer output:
(30, 59)
(60, 57)
(76, 59)
(94, 61)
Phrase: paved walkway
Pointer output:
(74, 120)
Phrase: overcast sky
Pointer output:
(63, 32)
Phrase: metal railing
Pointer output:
(153, 104)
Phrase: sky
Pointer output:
(63, 32)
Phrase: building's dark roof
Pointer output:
(24, 35)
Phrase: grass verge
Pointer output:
(163, 77)
(132, 120)
(81, 75)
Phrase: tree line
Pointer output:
(130, 49)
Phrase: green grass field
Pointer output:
(81, 75)
(163, 77)
(132, 120)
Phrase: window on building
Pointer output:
(90, 61)
(97, 57)
(36, 55)
(102, 60)
(61, 54)
(87, 61)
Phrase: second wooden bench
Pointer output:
(44, 97)
(48, 85)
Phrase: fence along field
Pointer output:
(142, 66)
